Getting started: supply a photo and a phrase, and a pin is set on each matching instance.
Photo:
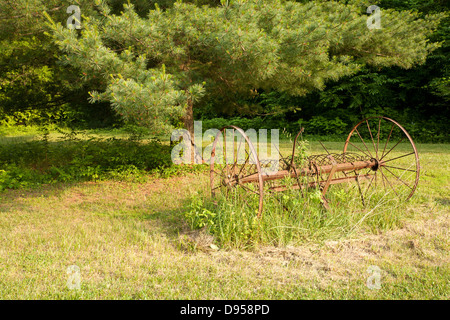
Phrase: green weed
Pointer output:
(292, 217)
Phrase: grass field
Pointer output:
(129, 242)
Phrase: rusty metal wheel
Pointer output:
(234, 164)
(386, 141)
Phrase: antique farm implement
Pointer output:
(378, 154)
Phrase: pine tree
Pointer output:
(155, 69)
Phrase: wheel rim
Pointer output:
(385, 140)
(234, 162)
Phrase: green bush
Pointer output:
(321, 125)
(33, 163)
(14, 177)
(336, 128)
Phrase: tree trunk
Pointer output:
(188, 120)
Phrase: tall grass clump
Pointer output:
(292, 217)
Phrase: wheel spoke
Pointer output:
(376, 178)
(281, 156)
(246, 160)
(363, 142)
(387, 180)
(217, 172)
(405, 155)
(382, 179)
(371, 136)
(368, 187)
(392, 148)
(400, 168)
(225, 146)
(387, 141)
(237, 152)
(378, 136)
(222, 174)
(358, 149)
(215, 188)
(398, 178)
(246, 188)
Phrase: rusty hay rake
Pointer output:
(378, 153)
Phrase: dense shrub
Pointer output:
(332, 127)
(28, 164)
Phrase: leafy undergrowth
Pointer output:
(30, 164)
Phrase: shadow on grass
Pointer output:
(443, 201)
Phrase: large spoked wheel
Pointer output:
(397, 162)
(235, 164)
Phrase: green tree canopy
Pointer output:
(154, 69)
(31, 77)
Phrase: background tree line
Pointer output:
(37, 87)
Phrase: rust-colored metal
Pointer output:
(314, 184)
(235, 173)
(362, 152)
(295, 144)
(312, 171)
(330, 175)
(391, 169)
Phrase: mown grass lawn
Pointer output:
(129, 242)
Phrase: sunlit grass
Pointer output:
(131, 240)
